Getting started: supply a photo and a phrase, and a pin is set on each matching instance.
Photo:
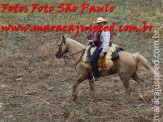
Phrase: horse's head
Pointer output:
(62, 47)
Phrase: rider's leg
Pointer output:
(94, 59)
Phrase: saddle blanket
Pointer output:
(103, 63)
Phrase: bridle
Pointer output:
(60, 49)
(65, 56)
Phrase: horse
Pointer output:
(126, 66)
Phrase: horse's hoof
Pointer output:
(147, 98)
(93, 99)
(74, 98)
(123, 103)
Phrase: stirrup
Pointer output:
(95, 79)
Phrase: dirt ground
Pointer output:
(35, 86)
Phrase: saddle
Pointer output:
(103, 63)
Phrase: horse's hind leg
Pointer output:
(126, 84)
(142, 84)
(77, 82)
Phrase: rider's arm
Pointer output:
(106, 40)
(94, 38)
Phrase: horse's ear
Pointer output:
(64, 38)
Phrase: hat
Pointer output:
(100, 19)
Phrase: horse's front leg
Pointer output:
(77, 82)
(91, 83)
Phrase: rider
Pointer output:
(91, 39)
(103, 42)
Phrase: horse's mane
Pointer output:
(77, 43)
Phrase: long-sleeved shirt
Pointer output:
(94, 38)
(105, 38)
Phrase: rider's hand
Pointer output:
(102, 55)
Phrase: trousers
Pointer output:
(94, 58)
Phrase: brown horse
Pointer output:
(126, 67)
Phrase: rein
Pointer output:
(77, 52)
(79, 58)
(68, 57)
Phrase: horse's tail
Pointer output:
(142, 62)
